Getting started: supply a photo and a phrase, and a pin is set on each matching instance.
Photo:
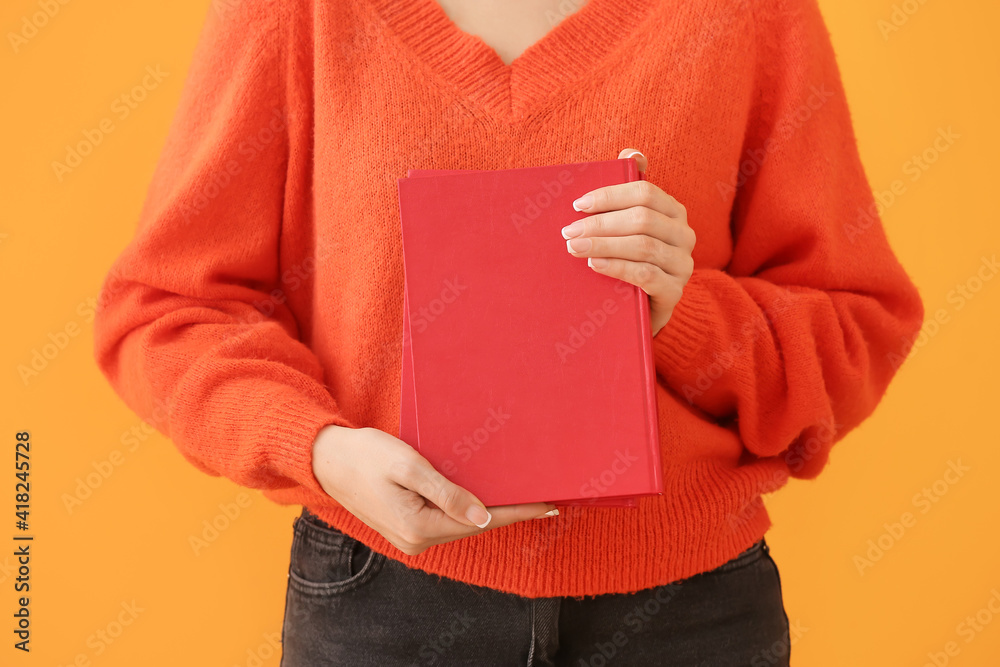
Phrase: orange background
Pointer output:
(128, 543)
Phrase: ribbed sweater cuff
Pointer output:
(290, 430)
(684, 338)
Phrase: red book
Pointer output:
(527, 376)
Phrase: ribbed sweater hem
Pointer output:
(678, 535)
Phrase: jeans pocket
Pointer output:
(326, 561)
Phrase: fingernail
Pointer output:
(578, 245)
(586, 201)
(554, 512)
(597, 263)
(633, 153)
(479, 515)
(575, 229)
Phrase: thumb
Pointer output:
(639, 157)
(458, 503)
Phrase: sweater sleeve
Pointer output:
(796, 341)
(192, 328)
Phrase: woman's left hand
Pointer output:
(640, 234)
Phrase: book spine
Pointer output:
(646, 343)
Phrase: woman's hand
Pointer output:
(389, 486)
(639, 234)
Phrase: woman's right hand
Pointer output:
(389, 486)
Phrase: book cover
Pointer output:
(527, 376)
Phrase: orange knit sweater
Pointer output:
(261, 297)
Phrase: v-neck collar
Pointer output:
(508, 92)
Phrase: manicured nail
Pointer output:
(633, 153)
(479, 515)
(575, 229)
(597, 262)
(586, 201)
(554, 512)
(579, 245)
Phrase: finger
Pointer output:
(633, 193)
(448, 503)
(634, 153)
(439, 527)
(631, 221)
(508, 514)
(417, 474)
(648, 277)
(637, 249)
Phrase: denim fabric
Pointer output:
(348, 605)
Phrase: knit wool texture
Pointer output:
(261, 296)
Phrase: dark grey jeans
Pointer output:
(348, 605)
